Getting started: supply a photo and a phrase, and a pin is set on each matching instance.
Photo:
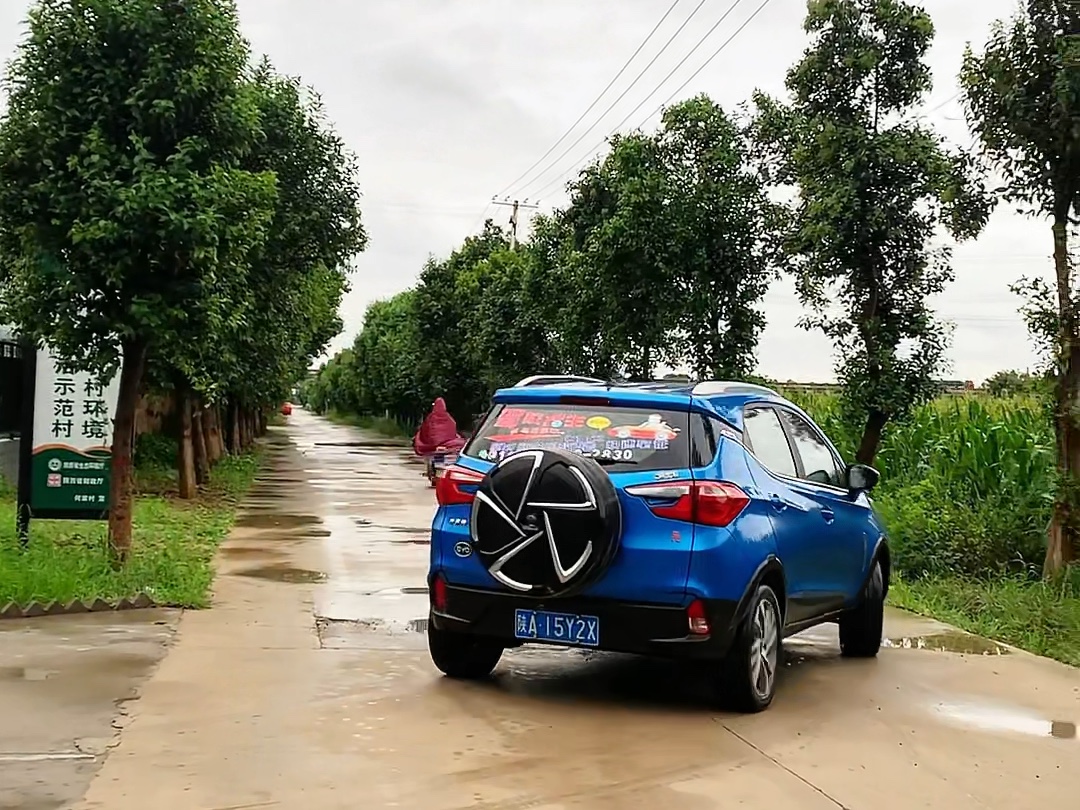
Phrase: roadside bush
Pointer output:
(967, 482)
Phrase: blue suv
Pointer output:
(705, 521)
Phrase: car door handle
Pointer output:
(829, 515)
(778, 503)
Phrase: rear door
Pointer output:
(635, 444)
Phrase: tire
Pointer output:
(750, 669)
(861, 627)
(461, 656)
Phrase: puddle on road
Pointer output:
(1063, 730)
(25, 674)
(283, 573)
(1005, 720)
(417, 535)
(955, 642)
(246, 552)
(386, 443)
(270, 520)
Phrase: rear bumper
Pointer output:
(644, 629)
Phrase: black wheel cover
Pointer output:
(546, 522)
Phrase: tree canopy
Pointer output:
(168, 208)
(662, 255)
(1022, 100)
(874, 185)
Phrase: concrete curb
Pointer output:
(13, 610)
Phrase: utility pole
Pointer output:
(515, 205)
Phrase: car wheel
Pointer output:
(861, 627)
(459, 655)
(751, 666)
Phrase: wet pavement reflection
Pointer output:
(331, 700)
(570, 727)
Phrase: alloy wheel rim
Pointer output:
(764, 649)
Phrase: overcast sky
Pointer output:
(447, 103)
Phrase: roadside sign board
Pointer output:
(67, 456)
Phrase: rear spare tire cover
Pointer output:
(546, 522)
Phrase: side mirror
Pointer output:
(862, 478)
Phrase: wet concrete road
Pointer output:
(65, 687)
(309, 686)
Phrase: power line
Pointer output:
(945, 103)
(622, 95)
(705, 64)
(595, 101)
(714, 54)
(671, 73)
(480, 220)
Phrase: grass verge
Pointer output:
(1040, 617)
(173, 544)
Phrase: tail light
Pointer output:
(455, 485)
(708, 503)
(697, 620)
(438, 593)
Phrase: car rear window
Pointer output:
(621, 439)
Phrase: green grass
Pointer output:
(1039, 617)
(172, 551)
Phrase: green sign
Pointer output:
(70, 457)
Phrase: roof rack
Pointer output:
(555, 379)
(710, 388)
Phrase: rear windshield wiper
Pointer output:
(607, 462)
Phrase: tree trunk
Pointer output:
(871, 438)
(245, 428)
(214, 449)
(198, 436)
(185, 457)
(132, 366)
(1061, 541)
(219, 420)
(236, 444)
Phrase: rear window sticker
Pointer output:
(654, 428)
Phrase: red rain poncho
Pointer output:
(438, 430)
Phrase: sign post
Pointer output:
(66, 438)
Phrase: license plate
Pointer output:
(562, 628)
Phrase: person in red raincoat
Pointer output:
(438, 431)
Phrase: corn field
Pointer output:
(967, 482)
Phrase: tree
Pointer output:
(388, 360)
(120, 179)
(617, 219)
(300, 273)
(873, 186)
(439, 308)
(723, 238)
(1022, 99)
(564, 289)
(506, 337)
